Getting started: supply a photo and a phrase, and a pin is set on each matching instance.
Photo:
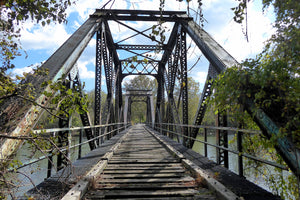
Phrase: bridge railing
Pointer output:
(203, 130)
(111, 130)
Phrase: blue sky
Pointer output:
(41, 42)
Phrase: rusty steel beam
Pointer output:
(212, 50)
(59, 64)
(139, 47)
(141, 15)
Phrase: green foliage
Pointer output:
(14, 13)
(193, 98)
(274, 85)
(66, 101)
(19, 87)
(140, 83)
(272, 81)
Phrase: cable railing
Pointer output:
(113, 129)
(160, 127)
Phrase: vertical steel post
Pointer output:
(80, 141)
(184, 86)
(63, 141)
(240, 150)
(222, 140)
(205, 140)
(49, 169)
(98, 72)
(118, 96)
(160, 95)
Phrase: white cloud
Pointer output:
(85, 8)
(230, 34)
(199, 77)
(49, 37)
(217, 13)
(20, 71)
(83, 70)
(28, 69)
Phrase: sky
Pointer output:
(40, 43)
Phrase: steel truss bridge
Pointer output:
(134, 55)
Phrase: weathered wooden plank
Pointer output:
(144, 193)
(143, 158)
(142, 168)
(129, 186)
(238, 185)
(197, 197)
(157, 175)
(148, 180)
(139, 171)
(145, 165)
(143, 155)
(56, 185)
(128, 168)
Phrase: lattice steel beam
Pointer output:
(206, 92)
(222, 140)
(85, 118)
(139, 47)
(63, 142)
(159, 111)
(184, 85)
(98, 77)
(139, 68)
(172, 115)
(141, 15)
(212, 50)
(111, 46)
(117, 74)
(170, 45)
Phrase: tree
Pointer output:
(12, 16)
(14, 13)
(272, 81)
(139, 83)
(193, 98)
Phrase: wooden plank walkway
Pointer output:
(141, 168)
(140, 163)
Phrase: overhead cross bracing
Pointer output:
(137, 57)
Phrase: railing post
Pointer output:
(118, 128)
(240, 150)
(205, 140)
(80, 140)
(49, 169)
(222, 140)
(160, 128)
(69, 144)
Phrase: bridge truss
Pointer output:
(132, 55)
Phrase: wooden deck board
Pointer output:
(142, 168)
